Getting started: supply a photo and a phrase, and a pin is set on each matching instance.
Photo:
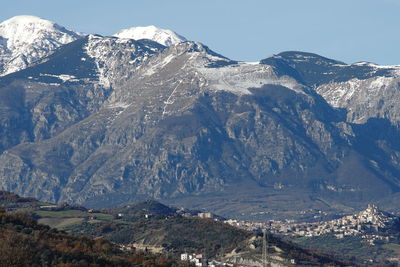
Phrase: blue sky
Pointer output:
(346, 30)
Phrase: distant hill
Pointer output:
(148, 207)
(173, 233)
(26, 243)
(11, 198)
(12, 201)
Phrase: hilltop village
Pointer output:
(372, 224)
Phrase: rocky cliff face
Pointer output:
(105, 121)
(41, 102)
(365, 90)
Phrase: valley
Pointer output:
(152, 227)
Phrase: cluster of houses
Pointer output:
(199, 260)
(129, 247)
(371, 224)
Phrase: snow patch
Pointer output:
(154, 68)
(62, 77)
(118, 105)
(95, 49)
(240, 77)
(339, 93)
(65, 77)
(251, 63)
(161, 36)
(394, 69)
(169, 102)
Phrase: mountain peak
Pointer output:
(26, 28)
(25, 19)
(24, 39)
(162, 36)
(307, 57)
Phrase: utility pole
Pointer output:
(264, 249)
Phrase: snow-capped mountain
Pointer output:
(113, 119)
(92, 65)
(183, 120)
(25, 39)
(161, 36)
(365, 90)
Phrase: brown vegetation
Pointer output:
(26, 243)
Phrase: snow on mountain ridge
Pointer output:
(25, 39)
(161, 36)
(241, 77)
(110, 54)
(216, 72)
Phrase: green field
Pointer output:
(67, 218)
(61, 214)
(60, 223)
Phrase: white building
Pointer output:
(184, 257)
